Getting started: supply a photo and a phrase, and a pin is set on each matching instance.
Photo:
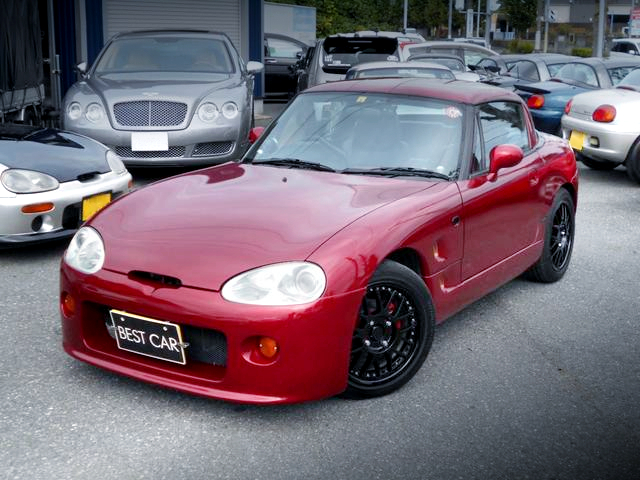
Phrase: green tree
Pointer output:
(521, 13)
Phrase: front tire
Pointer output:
(393, 334)
(558, 241)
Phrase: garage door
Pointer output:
(217, 15)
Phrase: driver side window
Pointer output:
(502, 123)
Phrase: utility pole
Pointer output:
(450, 24)
(406, 8)
(487, 24)
(600, 40)
(546, 25)
(540, 13)
(478, 23)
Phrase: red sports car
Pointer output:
(320, 263)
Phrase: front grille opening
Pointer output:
(85, 177)
(177, 151)
(155, 278)
(212, 149)
(203, 344)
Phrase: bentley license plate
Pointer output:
(149, 337)
(93, 204)
(576, 140)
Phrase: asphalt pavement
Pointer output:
(532, 382)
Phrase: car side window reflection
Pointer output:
(502, 123)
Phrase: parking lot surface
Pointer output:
(534, 381)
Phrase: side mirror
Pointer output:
(255, 133)
(299, 54)
(254, 67)
(81, 68)
(503, 156)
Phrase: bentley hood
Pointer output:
(207, 226)
(118, 87)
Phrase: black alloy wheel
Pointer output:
(558, 242)
(393, 333)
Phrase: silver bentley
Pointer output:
(161, 98)
(602, 126)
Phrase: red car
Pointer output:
(319, 264)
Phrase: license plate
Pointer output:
(149, 337)
(93, 204)
(576, 140)
(149, 141)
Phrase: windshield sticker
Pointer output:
(361, 99)
(393, 58)
(328, 58)
(452, 112)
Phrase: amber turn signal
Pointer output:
(268, 347)
(68, 304)
(38, 208)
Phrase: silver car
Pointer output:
(166, 98)
(602, 126)
(52, 181)
(400, 69)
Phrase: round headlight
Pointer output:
(86, 251)
(290, 283)
(95, 112)
(74, 111)
(208, 112)
(230, 110)
(27, 181)
(115, 164)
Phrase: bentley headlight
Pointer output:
(86, 251)
(230, 110)
(208, 112)
(95, 112)
(115, 164)
(27, 181)
(290, 283)
(74, 111)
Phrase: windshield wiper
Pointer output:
(398, 172)
(295, 163)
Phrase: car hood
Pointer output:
(63, 155)
(118, 87)
(207, 226)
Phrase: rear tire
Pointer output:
(633, 162)
(393, 334)
(558, 241)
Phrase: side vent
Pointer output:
(165, 280)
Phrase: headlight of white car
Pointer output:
(290, 283)
(27, 181)
(115, 164)
(208, 112)
(86, 251)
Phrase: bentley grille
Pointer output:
(146, 113)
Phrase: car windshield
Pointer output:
(166, 54)
(406, 72)
(360, 132)
(341, 53)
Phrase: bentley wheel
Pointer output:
(393, 334)
(558, 242)
(601, 165)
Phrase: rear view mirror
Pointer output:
(503, 156)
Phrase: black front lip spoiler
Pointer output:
(11, 241)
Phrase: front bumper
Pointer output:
(193, 146)
(17, 227)
(314, 340)
(602, 141)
